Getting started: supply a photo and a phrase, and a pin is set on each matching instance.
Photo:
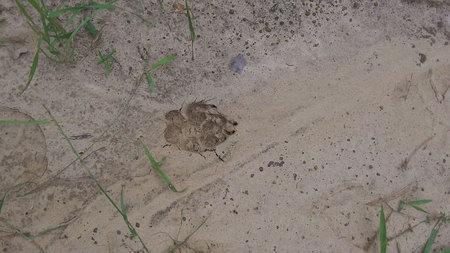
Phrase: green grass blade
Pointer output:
(129, 225)
(64, 135)
(104, 192)
(106, 57)
(22, 184)
(178, 245)
(122, 205)
(3, 201)
(91, 28)
(181, 224)
(6, 193)
(99, 7)
(419, 202)
(150, 81)
(431, 239)
(399, 250)
(418, 208)
(195, 230)
(106, 60)
(33, 66)
(155, 165)
(141, 6)
(191, 27)
(43, 6)
(445, 251)
(18, 122)
(22, 234)
(401, 206)
(45, 34)
(82, 23)
(25, 13)
(37, 7)
(1, 41)
(383, 237)
(163, 61)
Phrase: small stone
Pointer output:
(237, 64)
(423, 58)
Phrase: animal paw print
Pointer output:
(202, 129)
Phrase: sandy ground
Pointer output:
(334, 98)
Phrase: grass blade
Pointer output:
(141, 6)
(399, 250)
(63, 134)
(82, 23)
(415, 204)
(122, 205)
(3, 201)
(401, 206)
(445, 251)
(419, 202)
(22, 234)
(156, 165)
(22, 184)
(179, 244)
(18, 122)
(383, 237)
(431, 239)
(191, 27)
(33, 66)
(163, 61)
(91, 28)
(1, 41)
(106, 60)
(418, 208)
(129, 225)
(25, 13)
(150, 81)
(4, 195)
(123, 108)
(104, 192)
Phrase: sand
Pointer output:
(341, 106)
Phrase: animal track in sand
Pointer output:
(201, 128)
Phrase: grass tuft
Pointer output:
(440, 220)
(177, 243)
(107, 60)
(59, 38)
